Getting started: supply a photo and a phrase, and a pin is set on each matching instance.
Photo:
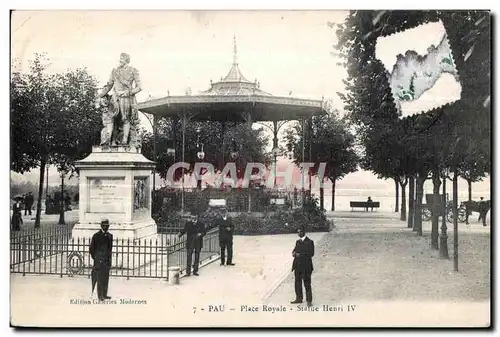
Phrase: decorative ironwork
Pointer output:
(38, 248)
(75, 263)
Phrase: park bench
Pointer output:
(364, 204)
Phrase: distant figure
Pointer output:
(67, 202)
(28, 203)
(194, 228)
(17, 218)
(483, 209)
(100, 249)
(303, 266)
(369, 201)
(226, 231)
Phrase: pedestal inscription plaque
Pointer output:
(106, 195)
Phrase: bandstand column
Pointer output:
(310, 155)
(303, 158)
(223, 159)
(249, 124)
(275, 146)
(184, 122)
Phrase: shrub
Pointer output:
(284, 221)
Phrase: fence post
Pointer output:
(128, 258)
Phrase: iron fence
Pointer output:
(55, 252)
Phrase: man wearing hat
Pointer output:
(100, 250)
(302, 266)
(194, 228)
(226, 229)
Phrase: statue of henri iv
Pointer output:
(121, 118)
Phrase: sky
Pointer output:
(286, 51)
(173, 50)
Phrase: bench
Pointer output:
(364, 204)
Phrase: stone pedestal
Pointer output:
(116, 184)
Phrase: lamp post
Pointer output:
(234, 149)
(277, 125)
(275, 155)
(62, 173)
(171, 152)
(200, 154)
(443, 244)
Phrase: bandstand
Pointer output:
(234, 99)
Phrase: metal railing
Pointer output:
(53, 251)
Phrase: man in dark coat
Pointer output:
(303, 266)
(28, 203)
(226, 230)
(194, 228)
(483, 208)
(17, 218)
(100, 250)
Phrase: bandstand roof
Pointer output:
(232, 95)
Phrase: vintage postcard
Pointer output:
(205, 168)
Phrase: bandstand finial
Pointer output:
(235, 50)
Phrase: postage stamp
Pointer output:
(243, 169)
(421, 68)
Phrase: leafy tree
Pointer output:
(332, 142)
(369, 103)
(54, 119)
(217, 139)
(473, 169)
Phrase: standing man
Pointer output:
(303, 267)
(28, 203)
(126, 83)
(483, 209)
(17, 218)
(195, 230)
(100, 250)
(226, 230)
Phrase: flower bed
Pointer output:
(281, 221)
(285, 222)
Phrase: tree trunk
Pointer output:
(417, 219)
(322, 197)
(396, 207)
(436, 181)
(40, 193)
(333, 194)
(411, 201)
(469, 183)
(403, 199)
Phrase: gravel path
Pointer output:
(395, 265)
